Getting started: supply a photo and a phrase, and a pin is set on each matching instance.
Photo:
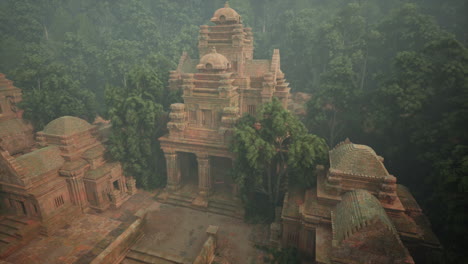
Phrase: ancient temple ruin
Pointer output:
(357, 213)
(58, 176)
(225, 83)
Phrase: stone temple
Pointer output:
(357, 213)
(217, 89)
(57, 177)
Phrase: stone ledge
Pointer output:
(117, 249)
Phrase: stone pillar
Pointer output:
(78, 191)
(173, 170)
(131, 185)
(204, 176)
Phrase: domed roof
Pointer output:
(213, 61)
(226, 15)
(357, 159)
(66, 126)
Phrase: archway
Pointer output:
(188, 168)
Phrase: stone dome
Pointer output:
(357, 159)
(66, 126)
(213, 61)
(226, 15)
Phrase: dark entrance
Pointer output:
(220, 173)
(188, 168)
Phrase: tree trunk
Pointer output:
(269, 180)
(46, 32)
(364, 71)
(331, 138)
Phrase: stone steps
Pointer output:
(14, 233)
(135, 256)
(224, 204)
(11, 227)
(6, 239)
(226, 208)
(13, 221)
(4, 230)
(179, 200)
(219, 211)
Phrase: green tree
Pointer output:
(335, 109)
(273, 151)
(49, 93)
(138, 119)
(420, 115)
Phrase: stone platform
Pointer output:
(174, 234)
(84, 238)
(15, 232)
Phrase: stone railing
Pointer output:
(207, 253)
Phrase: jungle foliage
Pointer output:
(273, 150)
(390, 74)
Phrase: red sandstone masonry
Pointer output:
(116, 251)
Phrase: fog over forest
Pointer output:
(389, 74)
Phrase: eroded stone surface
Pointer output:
(357, 212)
(181, 232)
(68, 244)
(224, 84)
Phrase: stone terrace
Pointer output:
(171, 230)
(179, 232)
(84, 238)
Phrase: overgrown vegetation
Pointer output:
(273, 150)
(389, 74)
(138, 119)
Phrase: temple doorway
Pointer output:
(188, 168)
(220, 173)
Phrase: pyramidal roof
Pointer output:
(66, 126)
(356, 210)
(357, 159)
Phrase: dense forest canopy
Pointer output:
(390, 74)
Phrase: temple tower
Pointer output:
(225, 83)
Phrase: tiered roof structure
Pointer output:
(67, 175)
(363, 232)
(225, 83)
(357, 214)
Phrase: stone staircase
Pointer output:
(16, 232)
(177, 199)
(139, 256)
(227, 208)
(231, 208)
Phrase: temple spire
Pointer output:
(213, 49)
(226, 5)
